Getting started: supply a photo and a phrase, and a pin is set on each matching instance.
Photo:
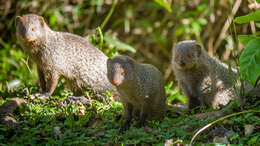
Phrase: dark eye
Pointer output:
(33, 29)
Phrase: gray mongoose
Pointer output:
(204, 80)
(61, 54)
(141, 87)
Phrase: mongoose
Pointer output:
(141, 87)
(62, 54)
(204, 80)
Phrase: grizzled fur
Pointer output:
(141, 88)
(62, 54)
(203, 79)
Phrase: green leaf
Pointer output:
(117, 43)
(249, 61)
(244, 39)
(254, 16)
(164, 4)
(202, 21)
(53, 19)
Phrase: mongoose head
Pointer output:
(186, 54)
(30, 28)
(120, 70)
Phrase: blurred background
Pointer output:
(150, 27)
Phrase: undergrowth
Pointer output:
(50, 123)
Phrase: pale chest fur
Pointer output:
(130, 93)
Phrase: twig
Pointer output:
(27, 64)
(252, 25)
(227, 24)
(109, 14)
(167, 72)
(7, 86)
(220, 119)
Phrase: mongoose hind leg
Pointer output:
(192, 94)
(143, 115)
(128, 108)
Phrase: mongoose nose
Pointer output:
(114, 82)
(26, 37)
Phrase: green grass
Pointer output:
(99, 124)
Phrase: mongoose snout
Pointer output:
(117, 71)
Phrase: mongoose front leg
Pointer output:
(143, 115)
(52, 81)
(42, 79)
(128, 108)
(193, 102)
(191, 93)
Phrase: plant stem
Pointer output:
(109, 14)
(220, 119)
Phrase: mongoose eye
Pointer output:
(33, 29)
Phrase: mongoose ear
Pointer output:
(42, 22)
(198, 47)
(17, 19)
(132, 62)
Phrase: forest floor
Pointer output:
(97, 123)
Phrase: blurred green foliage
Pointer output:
(249, 60)
(149, 27)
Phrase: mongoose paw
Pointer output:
(77, 100)
(100, 98)
(44, 96)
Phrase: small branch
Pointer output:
(109, 14)
(252, 25)
(167, 72)
(220, 119)
(227, 24)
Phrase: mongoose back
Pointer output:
(204, 80)
(141, 87)
(62, 54)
